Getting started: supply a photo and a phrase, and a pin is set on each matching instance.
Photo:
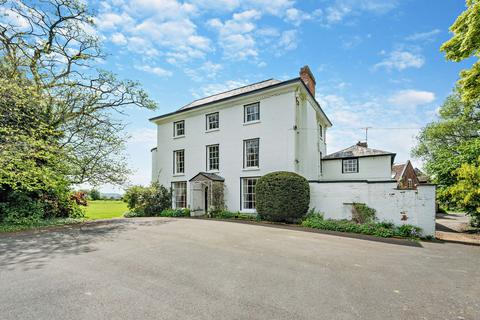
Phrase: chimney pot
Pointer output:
(362, 144)
(307, 77)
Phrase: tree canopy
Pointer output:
(450, 143)
(53, 44)
(465, 43)
(60, 121)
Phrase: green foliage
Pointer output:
(175, 213)
(224, 214)
(148, 201)
(466, 192)
(465, 43)
(48, 62)
(40, 224)
(363, 213)
(170, 213)
(94, 194)
(445, 145)
(409, 231)
(282, 196)
(22, 208)
(313, 213)
(384, 230)
(218, 201)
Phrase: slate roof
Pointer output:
(249, 89)
(231, 93)
(357, 151)
(397, 170)
(210, 176)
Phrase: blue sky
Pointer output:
(377, 63)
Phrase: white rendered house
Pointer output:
(238, 136)
(233, 138)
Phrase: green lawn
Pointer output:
(105, 209)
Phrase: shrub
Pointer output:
(95, 194)
(175, 213)
(28, 208)
(407, 230)
(224, 214)
(362, 213)
(382, 229)
(148, 201)
(313, 213)
(282, 196)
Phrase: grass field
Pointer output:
(105, 209)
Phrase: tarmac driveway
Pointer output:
(197, 269)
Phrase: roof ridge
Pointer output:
(233, 89)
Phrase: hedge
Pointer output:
(282, 196)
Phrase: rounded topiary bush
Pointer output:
(282, 196)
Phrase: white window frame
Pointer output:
(350, 165)
(210, 150)
(246, 154)
(247, 199)
(176, 129)
(320, 131)
(179, 199)
(209, 121)
(254, 114)
(179, 155)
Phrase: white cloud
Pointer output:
(288, 40)
(118, 38)
(296, 16)
(340, 9)
(401, 60)
(423, 36)
(154, 70)
(411, 98)
(111, 20)
(208, 70)
(154, 28)
(235, 35)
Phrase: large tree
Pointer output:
(465, 43)
(53, 44)
(449, 143)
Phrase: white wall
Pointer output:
(275, 130)
(309, 143)
(333, 199)
(369, 168)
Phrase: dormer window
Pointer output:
(350, 165)
(179, 129)
(251, 112)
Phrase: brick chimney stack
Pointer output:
(362, 144)
(307, 77)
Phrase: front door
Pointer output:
(206, 200)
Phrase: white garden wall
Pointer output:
(416, 207)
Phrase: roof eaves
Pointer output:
(360, 156)
(283, 83)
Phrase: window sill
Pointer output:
(251, 169)
(212, 130)
(251, 122)
(249, 211)
(213, 171)
(179, 175)
(178, 137)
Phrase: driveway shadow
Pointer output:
(32, 250)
